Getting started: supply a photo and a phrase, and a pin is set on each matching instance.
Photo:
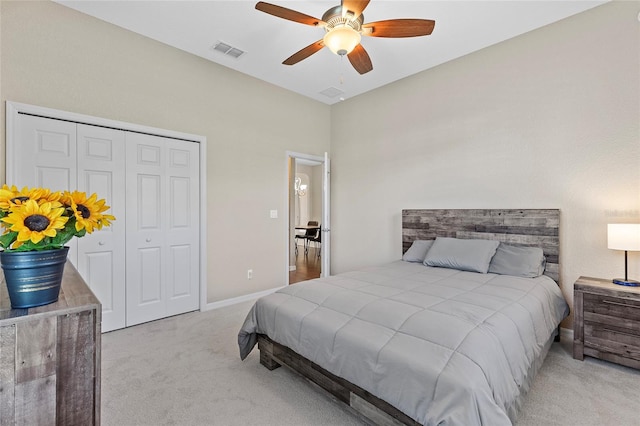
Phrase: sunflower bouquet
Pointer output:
(38, 219)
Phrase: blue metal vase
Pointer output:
(33, 278)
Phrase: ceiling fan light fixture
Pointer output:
(344, 26)
(341, 39)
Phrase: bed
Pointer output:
(442, 337)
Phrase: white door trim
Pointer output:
(326, 217)
(13, 109)
(325, 250)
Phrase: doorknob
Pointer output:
(148, 240)
(100, 243)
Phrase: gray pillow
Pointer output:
(528, 262)
(417, 251)
(465, 255)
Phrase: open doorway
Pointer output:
(308, 214)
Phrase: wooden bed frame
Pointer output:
(522, 227)
(526, 227)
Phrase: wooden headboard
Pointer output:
(524, 227)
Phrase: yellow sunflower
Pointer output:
(33, 222)
(43, 195)
(87, 211)
(11, 196)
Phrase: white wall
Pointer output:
(316, 195)
(55, 57)
(303, 206)
(550, 119)
(313, 198)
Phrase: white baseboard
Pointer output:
(235, 300)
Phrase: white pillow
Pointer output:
(465, 255)
(417, 251)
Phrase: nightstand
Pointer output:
(606, 322)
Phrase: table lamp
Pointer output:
(624, 236)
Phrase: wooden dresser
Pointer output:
(606, 321)
(50, 358)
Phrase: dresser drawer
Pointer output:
(612, 306)
(612, 339)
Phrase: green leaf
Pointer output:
(7, 239)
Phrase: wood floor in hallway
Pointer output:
(307, 266)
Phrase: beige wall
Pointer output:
(55, 57)
(546, 120)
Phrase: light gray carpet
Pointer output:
(185, 370)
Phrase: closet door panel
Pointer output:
(163, 188)
(150, 278)
(149, 202)
(181, 277)
(146, 240)
(98, 270)
(180, 203)
(53, 178)
(45, 155)
(183, 234)
(102, 254)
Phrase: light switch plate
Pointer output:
(273, 214)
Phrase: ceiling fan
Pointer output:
(344, 26)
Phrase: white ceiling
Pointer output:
(461, 27)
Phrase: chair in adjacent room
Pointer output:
(317, 238)
(309, 233)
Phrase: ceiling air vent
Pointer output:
(332, 92)
(227, 49)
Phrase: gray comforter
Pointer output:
(446, 347)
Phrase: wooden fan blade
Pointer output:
(399, 28)
(354, 6)
(360, 60)
(291, 15)
(304, 53)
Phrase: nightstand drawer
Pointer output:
(616, 340)
(612, 306)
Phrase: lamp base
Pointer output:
(630, 283)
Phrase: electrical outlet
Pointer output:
(249, 274)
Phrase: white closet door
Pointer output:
(101, 255)
(183, 226)
(45, 155)
(153, 187)
(162, 227)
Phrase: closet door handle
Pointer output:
(101, 243)
(148, 240)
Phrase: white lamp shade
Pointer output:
(342, 40)
(624, 236)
